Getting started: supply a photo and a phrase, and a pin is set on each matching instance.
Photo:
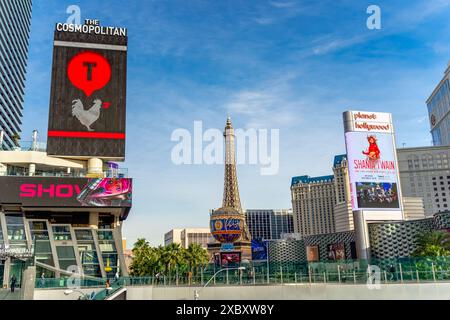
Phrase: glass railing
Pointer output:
(74, 173)
(65, 283)
(105, 293)
(402, 270)
(29, 146)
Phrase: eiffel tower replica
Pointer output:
(231, 210)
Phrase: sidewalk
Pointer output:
(6, 294)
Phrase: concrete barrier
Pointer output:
(307, 292)
(406, 291)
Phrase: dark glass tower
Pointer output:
(15, 23)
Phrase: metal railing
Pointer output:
(343, 272)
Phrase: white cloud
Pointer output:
(269, 105)
(280, 4)
(329, 44)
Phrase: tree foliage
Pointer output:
(149, 261)
(433, 244)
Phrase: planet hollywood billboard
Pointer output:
(372, 161)
(88, 91)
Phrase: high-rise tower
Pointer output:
(438, 110)
(231, 190)
(228, 223)
(15, 21)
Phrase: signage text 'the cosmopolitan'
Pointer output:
(91, 27)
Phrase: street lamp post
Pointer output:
(197, 292)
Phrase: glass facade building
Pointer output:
(439, 111)
(269, 224)
(64, 235)
(15, 23)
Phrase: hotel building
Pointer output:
(269, 224)
(188, 236)
(55, 217)
(15, 22)
(438, 105)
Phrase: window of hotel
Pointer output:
(106, 221)
(410, 164)
(66, 257)
(424, 162)
(109, 252)
(88, 253)
(416, 162)
(15, 227)
(430, 162)
(41, 242)
(38, 230)
(62, 233)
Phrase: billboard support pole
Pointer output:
(95, 167)
(361, 230)
(268, 264)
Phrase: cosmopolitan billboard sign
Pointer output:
(372, 161)
(87, 115)
(91, 27)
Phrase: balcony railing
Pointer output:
(74, 173)
(28, 146)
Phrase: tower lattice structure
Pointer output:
(231, 197)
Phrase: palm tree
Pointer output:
(171, 256)
(432, 244)
(195, 256)
(148, 261)
(141, 252)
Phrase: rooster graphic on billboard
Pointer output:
(89, 72)
(89, 116)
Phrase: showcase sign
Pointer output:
(372, 161)
(88, 92)
(66, 192)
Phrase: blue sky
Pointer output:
(282, 64)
